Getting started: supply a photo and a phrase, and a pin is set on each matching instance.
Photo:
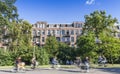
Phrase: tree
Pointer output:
(8, 13)
(42, 56)
(8, 10)
(51, 46)
(65, 53)
(86, 46)
(111, 48)
(6, 58)
(98, 22)
(102, 26)
(3, 22)
(20, 35)
(17, 33)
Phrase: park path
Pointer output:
(64, 71)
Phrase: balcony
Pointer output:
(36, 35)
(66, 35)
(67, 42)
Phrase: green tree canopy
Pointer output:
(86, 46)
(51, 46)
(102, 27)
(20, 35)
(98, 22)
(8, 9)
(8, 13)
(65, 53)
(110, 48)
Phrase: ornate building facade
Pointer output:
(67, 33)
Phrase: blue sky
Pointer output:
(64, 11)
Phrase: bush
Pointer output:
(6, 58)
(42, 57)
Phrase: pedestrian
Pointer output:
(104, 60)
(87, 63)
(78, 61)
(67, 62)
(19, 64)
(55, 62)
(100, 59)
(33, 63)
(71, 62)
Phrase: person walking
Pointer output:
(78, 61)
(54, 62)
(104, 61)
(100, 59)
(87, 63)
(33, 63)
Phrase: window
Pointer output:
(48, 32)
(43, 32)
(34, 39)
(43, 39)
(43, 25)
(80, 31)
(47, 25)
(118, 34)
(66, 25)
(38, 25)
(58, 38)
(77, 32)
(55, 25)
(53, 32)
(58, 32)
(63, 32)
(68, 39)
(39, 32)
(34, 32)
(72, 32)
(63, 39)
(67, 32)
(72, 39)
(79, 25)
(72, 45)
(38, 40)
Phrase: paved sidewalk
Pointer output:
(64, 71)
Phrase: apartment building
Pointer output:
(67, 33)
(116, 29)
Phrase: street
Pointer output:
(63, 71)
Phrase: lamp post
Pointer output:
(98, 42)
(34, 50)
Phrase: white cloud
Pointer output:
(89, 2)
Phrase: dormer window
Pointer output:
(66, 25)
(47, 25)
(55, 25)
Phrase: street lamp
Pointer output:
(34, 49)
(98, 42)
